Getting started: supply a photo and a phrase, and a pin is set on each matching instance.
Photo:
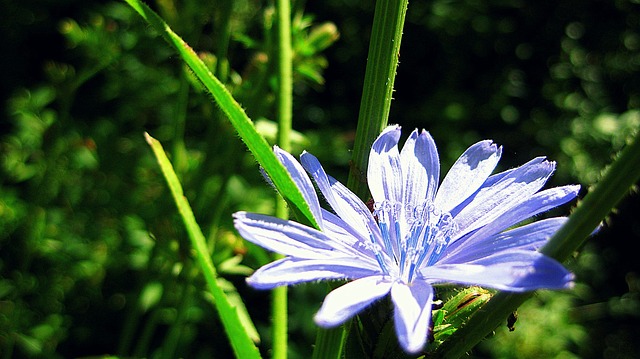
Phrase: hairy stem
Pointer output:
(284, 111)
(382, 62)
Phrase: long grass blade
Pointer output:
(234, 112)
(239, 338)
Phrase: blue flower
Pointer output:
(421, 232)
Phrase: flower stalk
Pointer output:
(377, 91)
(284, 113)
(380, 73)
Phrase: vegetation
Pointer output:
(94, 257)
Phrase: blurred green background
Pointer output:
(93, 257)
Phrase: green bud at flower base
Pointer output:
(456, 311)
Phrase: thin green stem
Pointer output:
(597, 204)
(285, 80)
(279, 323)
(144, 341)
(127, 333)
(284, 112)
(380, 74)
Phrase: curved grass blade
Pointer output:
(241, 342)
(234, 112)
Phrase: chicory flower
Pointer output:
(421, 232)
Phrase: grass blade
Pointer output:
(240, 340)
(234, 112)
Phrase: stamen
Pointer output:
(377, 251)
(388, 213)
(426, 235)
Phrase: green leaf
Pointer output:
(234, 112)
(238, 335)
(236, 300)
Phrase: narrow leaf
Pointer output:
(241, 342)
(234, 112)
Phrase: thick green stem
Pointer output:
(284, 112)
(597, 204)
(329, 343)
(384, 49)
(382, 62)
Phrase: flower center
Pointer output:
(413, 236)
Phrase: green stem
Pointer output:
(285, 80)
(329, 343)
(144, 341)
(129, 328)
(384, 50)
(284, 112)
(597, 204)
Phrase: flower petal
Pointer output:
(287, 237)
(384, 173)
(346, 301)
(420, 168)
(516, 271)
(490, 203)
(339, 230)
(412, 314)
(302, 181)
(528, 237)
(293, 271)
(467, 174)
(345, 203)
(538, 203)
